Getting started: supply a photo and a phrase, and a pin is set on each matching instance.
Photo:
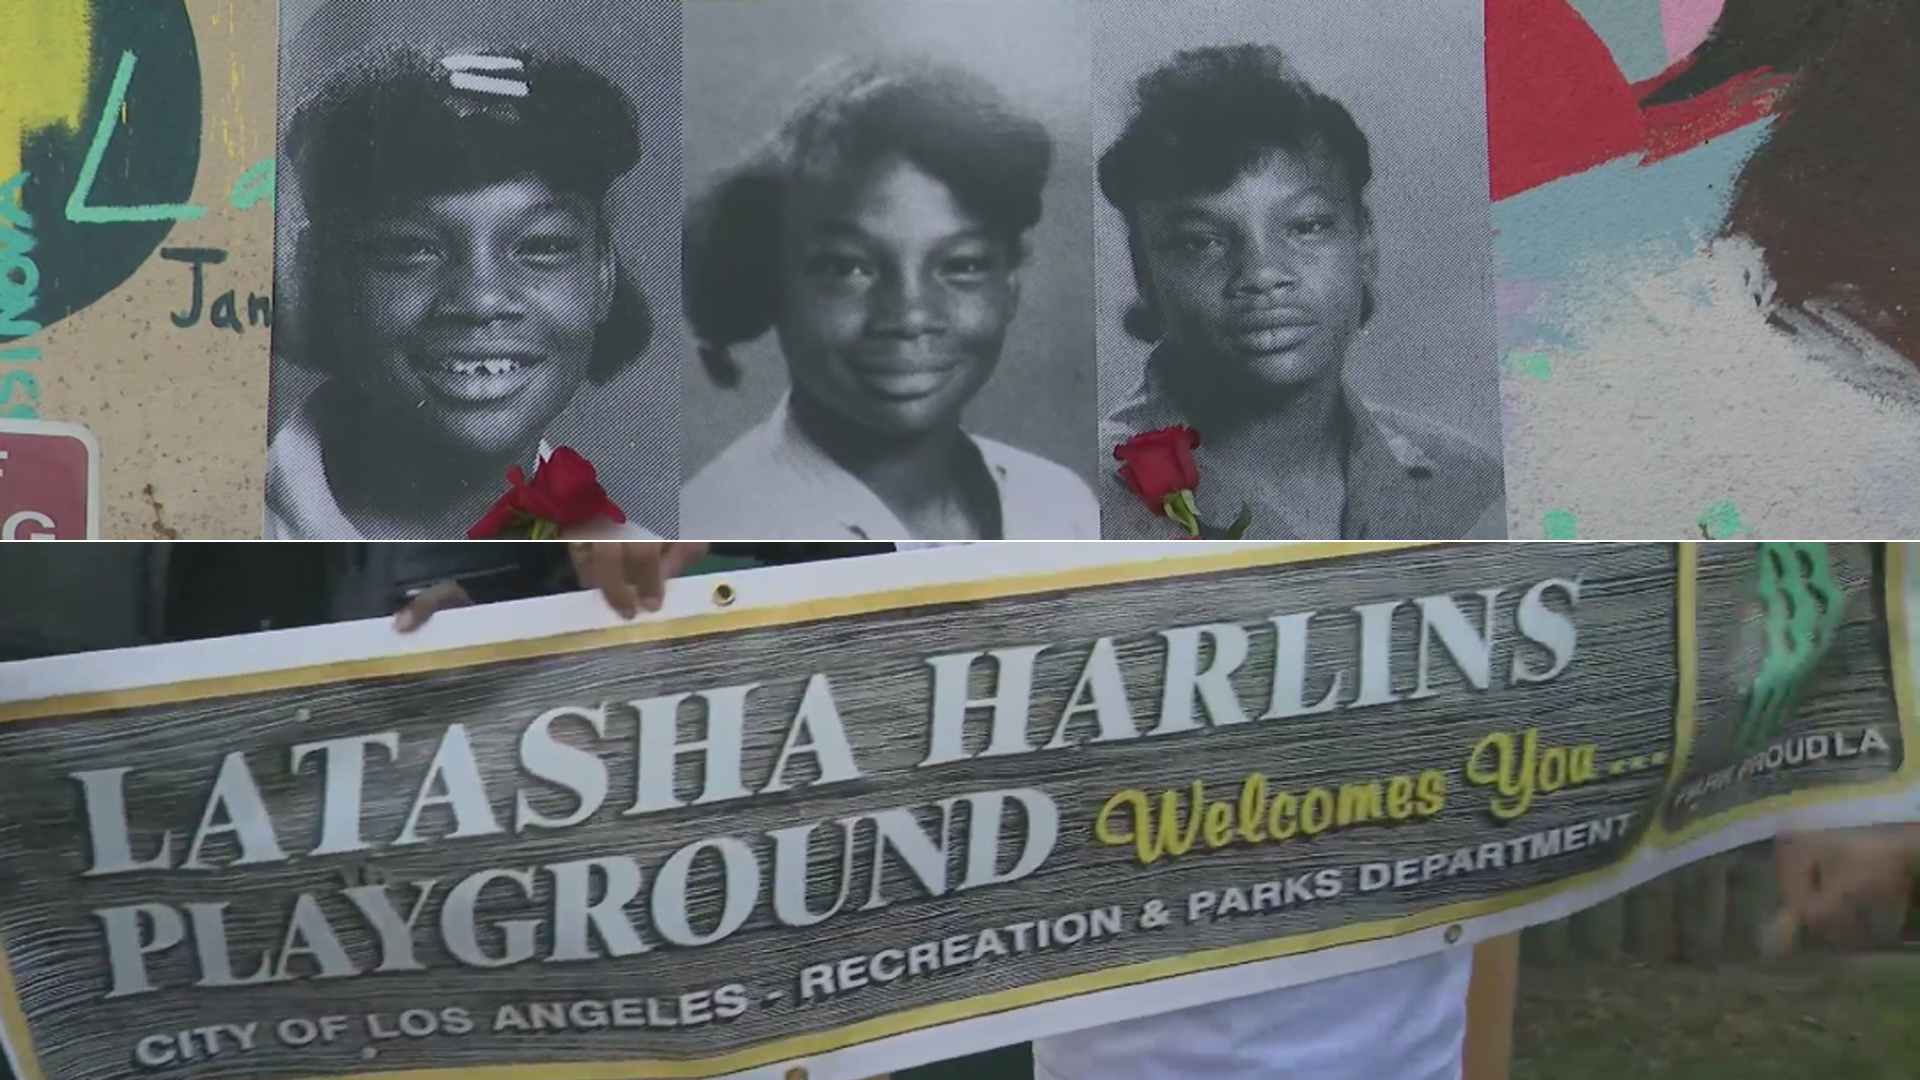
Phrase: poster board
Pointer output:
(1366, 802)
(1669, 287)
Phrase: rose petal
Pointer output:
(497, 518)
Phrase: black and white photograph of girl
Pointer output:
(1296, 261)
(889, 271)
(478, 255)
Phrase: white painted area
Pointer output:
(1679, 362)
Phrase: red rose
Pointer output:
(1156, 464)
(563, 493)
(1158, 467)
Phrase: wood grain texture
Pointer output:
(1618, 693)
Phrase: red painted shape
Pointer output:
(1677, 128)
(1557, 103)
(46, 477)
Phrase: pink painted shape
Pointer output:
(1686, 23)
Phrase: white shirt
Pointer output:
(301, 506)
(1406, 1022)
(773, 483)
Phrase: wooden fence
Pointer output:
(1713, 911)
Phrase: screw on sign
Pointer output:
(49, 481)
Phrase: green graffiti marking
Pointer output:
(78, 208)
(1559, 525)
(1533, 365)
(1802, 606)
(19, 274)
(19, 290)
(1721, 521)
(253, 185)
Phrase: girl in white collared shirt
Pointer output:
(880, 234)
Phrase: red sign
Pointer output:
(49, 481)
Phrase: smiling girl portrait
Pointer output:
(882, 235)
(459, 269)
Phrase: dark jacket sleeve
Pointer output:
(213, 590)
(497, 572)
(135, 594)
(69, 598)
(542, 569)
(787, 554)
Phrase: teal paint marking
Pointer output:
(1559, 525)
(1532, 365)
(19, 274)
(1623, 205)
(1721, 521)
(29, 386)
(78, 208)
(19, 294)
(253, 185)
(1634, 32)
(1659, 213)
(11, 210)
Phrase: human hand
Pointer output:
(447, 594)
(632, 575)
(1827, 879)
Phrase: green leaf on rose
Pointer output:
(1235, 531)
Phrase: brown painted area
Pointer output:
(1834, 195)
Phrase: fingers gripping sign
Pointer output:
(447, 594)
(632, 576)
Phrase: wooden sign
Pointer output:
(830, 819)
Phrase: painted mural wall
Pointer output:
(1708, 265)
(136, 229)
(1704, 216)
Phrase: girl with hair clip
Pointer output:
(461, 286)
(879, 233)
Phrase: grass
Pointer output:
(1831, 1019)
(1827, 1019)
